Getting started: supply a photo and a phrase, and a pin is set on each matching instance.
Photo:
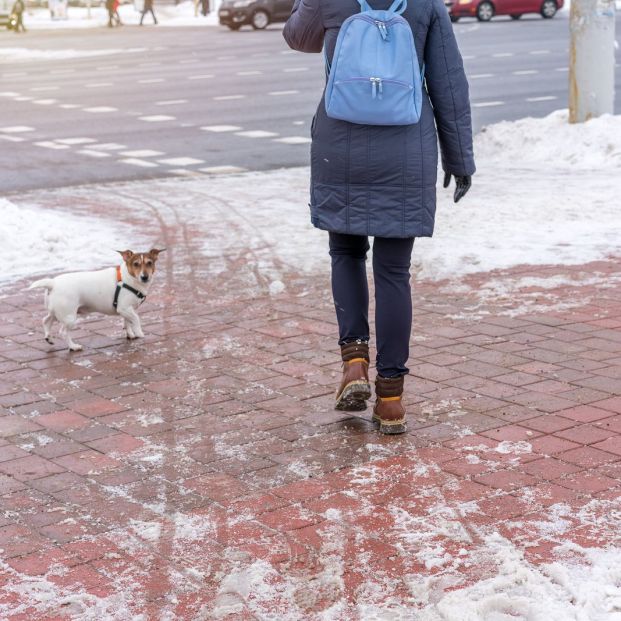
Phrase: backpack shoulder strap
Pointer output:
(398, 6)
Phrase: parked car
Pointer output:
(256, 13)
(484, 10)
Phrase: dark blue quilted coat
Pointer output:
(381, 180)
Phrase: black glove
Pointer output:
(462, 185)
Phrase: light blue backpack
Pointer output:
(375, 77)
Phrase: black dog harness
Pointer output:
(121, 285)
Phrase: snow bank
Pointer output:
(525, 207)
(182, 14)
(546, 192)
(36, 241)
(553, 143)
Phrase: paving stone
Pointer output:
(31, 467)
(587, 457)
(211, 450)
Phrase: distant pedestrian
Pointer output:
(376, 178)
(114, 19)
(148, 8)
(117, 17)
(18, 15)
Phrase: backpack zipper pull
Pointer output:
(376, 87)
(381, 26)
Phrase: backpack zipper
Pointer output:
(383, 29)
(371, 20)
(377, 84)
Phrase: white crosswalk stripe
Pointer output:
(181, 161)
(256, 133)
(156, 118)
(92, 153)
(48, 144)
(220, 128)
(16, 129)
(98, 109)
(142, 153)
(138, 162)
(293, 140)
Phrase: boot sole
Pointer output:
(390, 428)
(354, 397)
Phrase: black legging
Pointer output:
(145, 11)
(393, 298)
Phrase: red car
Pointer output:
(484, 10)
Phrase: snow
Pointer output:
(553, 142)
(508, 448)
(587, 589)
(77, 17)
(545, 193)
(584, 587)
(34, 241)
(520, 209)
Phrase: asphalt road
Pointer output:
(133, 103)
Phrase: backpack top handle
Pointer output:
(398, 6)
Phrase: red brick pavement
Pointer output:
(202, 473)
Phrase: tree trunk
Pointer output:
(592, 59)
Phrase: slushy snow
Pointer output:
(585, 588)
(36, 241)
(545, 193)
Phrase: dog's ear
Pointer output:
(126, 254)
(154, 253)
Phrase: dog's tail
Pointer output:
(44, 283)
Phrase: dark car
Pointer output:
(484, 10)
(256, 13)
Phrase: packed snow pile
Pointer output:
(545, 192)
(37, 241)
(553, 142)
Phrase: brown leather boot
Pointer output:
(388, 411)
(355, 388)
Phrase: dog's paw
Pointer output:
(49, 340)
(76, 347)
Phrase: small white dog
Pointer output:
(114, 290)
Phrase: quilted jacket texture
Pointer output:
(381, 180)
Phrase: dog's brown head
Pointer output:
(141, 265)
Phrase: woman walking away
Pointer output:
(374, 160)
(17, 15)
(148, 8)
